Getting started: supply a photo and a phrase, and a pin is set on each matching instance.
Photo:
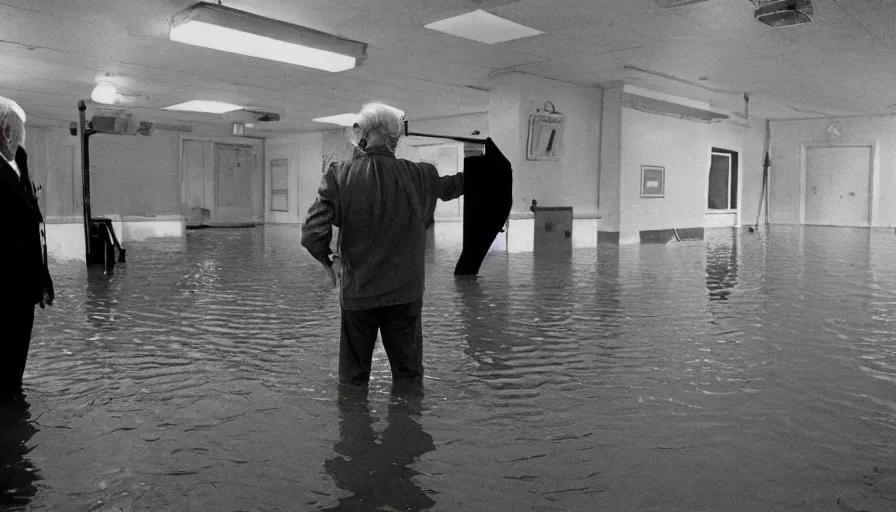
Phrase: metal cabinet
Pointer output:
(553, 228)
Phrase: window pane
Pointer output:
(718, 182)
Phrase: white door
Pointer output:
(198, 199)
(234, 171)
(838, 186)
(282, 190)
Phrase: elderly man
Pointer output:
(383, 206)
(23, 256)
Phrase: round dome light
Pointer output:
(104, 92)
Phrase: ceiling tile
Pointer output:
(727, 17)
(870, 12)
(598, 38)
(670, 26)
(885, 32)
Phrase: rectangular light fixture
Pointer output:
(347, 119)
(231, 30)
(208, 107)
(483, 27)
(341, 119)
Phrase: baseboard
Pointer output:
(664, 236)
(608, 237)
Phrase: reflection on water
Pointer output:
(18, 476)
(373, 466)
(744, 372)
(721, 264)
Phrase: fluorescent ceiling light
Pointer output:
(104, 92)
(230, 30)
(341, 119)
(208, 107)
(483, 27)
(348, 119)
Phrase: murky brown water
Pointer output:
(745, 372)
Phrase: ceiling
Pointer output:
(55, 51)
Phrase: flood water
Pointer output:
(745, 372)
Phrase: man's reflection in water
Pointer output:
(17, 476)
(721, 266)
(374, 467)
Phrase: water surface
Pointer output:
(745, 372)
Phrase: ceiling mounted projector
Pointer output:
(784, 13)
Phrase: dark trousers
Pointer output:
(402, 334)
(16, 320)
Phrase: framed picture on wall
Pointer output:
(545, 136)
(653, 181)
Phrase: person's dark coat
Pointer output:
(383, 206)
(23, 253)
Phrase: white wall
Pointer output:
(570, 181)
(610, 153)
(131, 176)
(785, 173)
(135, 174)
(751, 172)
(305, 155)
(683, 147)
(54, 159)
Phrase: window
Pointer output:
(280, 185)
(723, 180)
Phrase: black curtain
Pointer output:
(488, 197)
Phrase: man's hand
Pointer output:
(335, 272)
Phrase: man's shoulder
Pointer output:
(416, 165)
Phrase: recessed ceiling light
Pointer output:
(341, 119)
(483, 27)
(208, 107)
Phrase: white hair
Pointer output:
(12, 127)
(386, 121)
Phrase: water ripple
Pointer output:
(745, 372)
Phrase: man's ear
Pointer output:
(7, 135)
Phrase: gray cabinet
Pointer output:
(553, 228)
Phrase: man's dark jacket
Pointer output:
(23, 253)
(382, 206)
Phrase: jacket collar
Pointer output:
(379, 151)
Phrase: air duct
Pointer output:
(784, 13)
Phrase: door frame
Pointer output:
(257, 144)
(872, 175)
(736, 212)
